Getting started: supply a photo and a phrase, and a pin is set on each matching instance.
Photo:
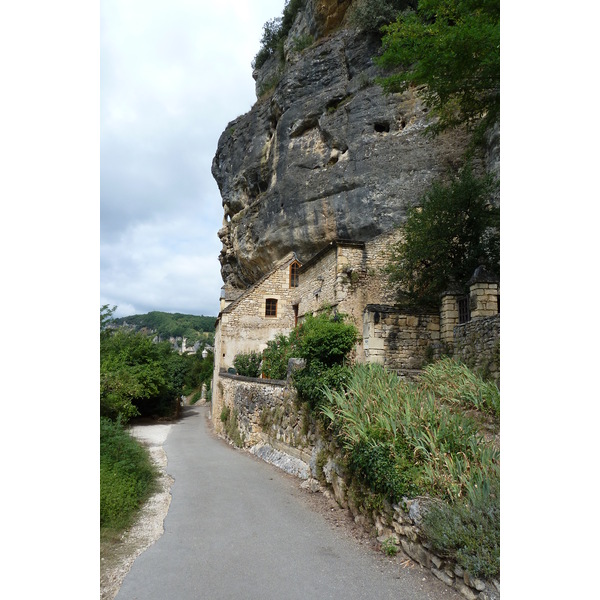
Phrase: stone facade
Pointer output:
(400, 342)
(349, 277)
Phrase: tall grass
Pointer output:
(454, 383)
(408, 438)
(127, 476)
(377, 407)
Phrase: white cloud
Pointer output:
(173, 74)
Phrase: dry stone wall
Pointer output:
(477, 344)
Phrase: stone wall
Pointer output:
(273, 427)
(397, 340)
(477, 344)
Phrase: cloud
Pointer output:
(173, 74)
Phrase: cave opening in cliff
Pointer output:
(382, 127)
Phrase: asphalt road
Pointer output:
(238, 528)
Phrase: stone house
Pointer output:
(347, 277)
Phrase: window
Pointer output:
(294, 276)
(464, 314)
(271, 307)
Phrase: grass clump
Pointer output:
(454, 383)
(127, 476)
(406, 439)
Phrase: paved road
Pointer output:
(238, 528)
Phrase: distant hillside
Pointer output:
(172, 325)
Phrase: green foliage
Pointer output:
(406, 437)
(126, 476)
(468, 532)
(454, 383)
(325, 339)
(229, 418)
(137, 376)
(166, 325)
(277, 354)
(390, 547)
(248, 364)
(452, 47)
(200, 370)
(324, 342)
(311, 381)
(371, 15)
(455, 229)
(275, 32)
(303, 42)
(401, 439)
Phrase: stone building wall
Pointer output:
(243, 325)
(397, 340)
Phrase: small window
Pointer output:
(271, 307)
(294, 276)
(464, 314)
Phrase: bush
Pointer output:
(248, 364)
(126, 476)
(325, 339)
(455, 229)
(312, 381)
(275, 31)
(276, 355)
(371, 15)
(468, 532)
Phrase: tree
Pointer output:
(455, 229)
(137, 376)
(452, 47)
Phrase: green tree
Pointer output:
(452, 47)
(455, 229)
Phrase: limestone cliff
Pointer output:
(324, 154)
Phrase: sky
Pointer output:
(173, 74)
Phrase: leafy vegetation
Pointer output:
(468, 531)
(371, 15)
(248, 364)
(276, 355)
(275, 32)
(166, 325)
(141, 378)
(455, 384)
(403, 439)
(454, 230)
(126, 476)
(452, 48)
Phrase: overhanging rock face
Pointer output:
(325, 155)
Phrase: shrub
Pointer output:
(277, 354)
(325, 339)
(455, 229)
(371, 15)
(126, 475)
(315, 378)
(275, 31)
(468, 532)
(248, 364)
